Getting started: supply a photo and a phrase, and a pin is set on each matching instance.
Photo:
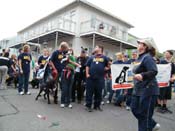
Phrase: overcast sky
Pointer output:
(151, 18)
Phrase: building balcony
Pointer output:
(62, 25)
(106, 32)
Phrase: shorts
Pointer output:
(165, 93)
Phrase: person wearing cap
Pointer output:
(80, 76)
(166, 92)
(145, 90)
(24, 60)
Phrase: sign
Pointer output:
(122, 75)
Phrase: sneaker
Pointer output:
(128, 108)
(79, 102)
(108, 102)
(160, 110)
(62, 105)
(102, 102)
(98, 108)
(70, 106)
(167, 110)
(157, 127)
(88, 109)
(21, 93)
(28, 93)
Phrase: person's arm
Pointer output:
(87, 72)
(151, 68)
(74, 63)
(108, 64)
(13, 68)
(20, 66)
(88, 67)
(172, 72)
(52, 65)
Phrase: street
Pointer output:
(23, 113)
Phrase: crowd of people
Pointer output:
(87, 78)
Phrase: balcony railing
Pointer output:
(95, 25)
(10, 42)
(44, 28)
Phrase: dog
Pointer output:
(12, 78)
(35, 83)
(49, 87)
(122, 76)
(121, 79)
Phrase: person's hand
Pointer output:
(172, 80)
(138, 77)
(87, 75)
(107, 68)
(79, 65)
(21, 71)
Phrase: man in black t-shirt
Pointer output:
(166, 92)
(95, 71)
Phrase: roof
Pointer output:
(74, 3)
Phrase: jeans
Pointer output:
(143, 109)
(23, 82)
(94, 86)
(66, 85)
(128, 100)
(78, 86)
(117, 94)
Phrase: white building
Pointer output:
(80, 23)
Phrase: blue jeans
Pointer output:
(117, 94)
(66, 88)
(23, 82)
(143, 109)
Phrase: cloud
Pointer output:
(152, 18)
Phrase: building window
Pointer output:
(72, 15)
(113, 31)
(101, 26)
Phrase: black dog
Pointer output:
(49, 87)
(122, 76)
(35, 83)
(12, 79)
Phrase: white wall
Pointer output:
(87, 43)
(87, 13)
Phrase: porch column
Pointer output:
(38, 48)
(120, 47)
(93, 44)
(56, 40)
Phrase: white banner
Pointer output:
(122, 75)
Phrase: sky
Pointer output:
(151, 18)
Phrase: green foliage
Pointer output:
(159, 55)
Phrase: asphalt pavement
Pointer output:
(23, 113)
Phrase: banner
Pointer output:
(122, 75)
